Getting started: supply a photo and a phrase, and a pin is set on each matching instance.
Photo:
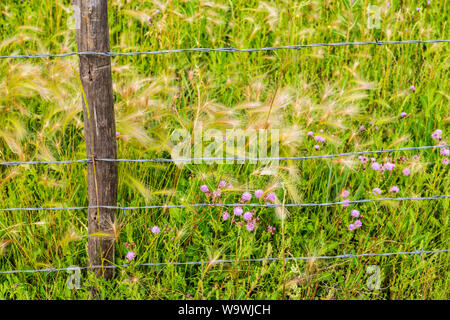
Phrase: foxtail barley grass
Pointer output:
(322, 100)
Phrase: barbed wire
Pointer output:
(198, 205)
(227, 49)
(163, 160)
(342, 256)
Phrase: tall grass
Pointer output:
(336, 90)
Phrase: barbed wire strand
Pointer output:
(197, 205)
(227, 49)
(342, 256)
(163, 160)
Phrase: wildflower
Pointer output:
(389, 166)
(225, 215)
(321, 130)
(376, 166)
(130, 255)
(248, 215)
(363, 159)
(403, 114)
(222, 184)
(345, 203)
(156, 229)
(445, 152)
(436, 135)
(351, 227)
(355, 213)
(320, 139)
(238, 211)
(271, 197)
(362, 128)
(310, 134)
(216, 194)
(258, 193)
(412, 88)
(204, 188)
(418, 9)
(376, 127)
(406, 172)
(317, 147)
(394, 189)
(358, 223)
(246, 196)
(445, 161)
(373, 159)
(377, 191)
(345, 193)
(117, 134)
(250, 226)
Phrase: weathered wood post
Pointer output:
(100, 129)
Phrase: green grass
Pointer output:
(336, 89)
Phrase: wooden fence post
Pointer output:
(100, 130)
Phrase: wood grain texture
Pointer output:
(100, 130)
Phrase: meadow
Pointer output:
(355, 98)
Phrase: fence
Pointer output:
(95, 159)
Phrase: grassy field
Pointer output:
(334, 89)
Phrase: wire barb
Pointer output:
(199, 205)
(152, 264)
(163, 160)
(115, 54)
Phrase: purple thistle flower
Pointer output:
(204, 188)
(346, 203)
(320, 139)
(394, 189)
(216, 194)
(377, 191)
(271, 197)
(358, 223)
(376, 166)
(406, 172)
(246, 196)
(225, 215)
(389, 166)
(355, 213)
(156, 229)
(130, 255)
(222, 184)
(363, 159)
(258, 193)
(248, 215)
(238, 211)
(250, 226)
